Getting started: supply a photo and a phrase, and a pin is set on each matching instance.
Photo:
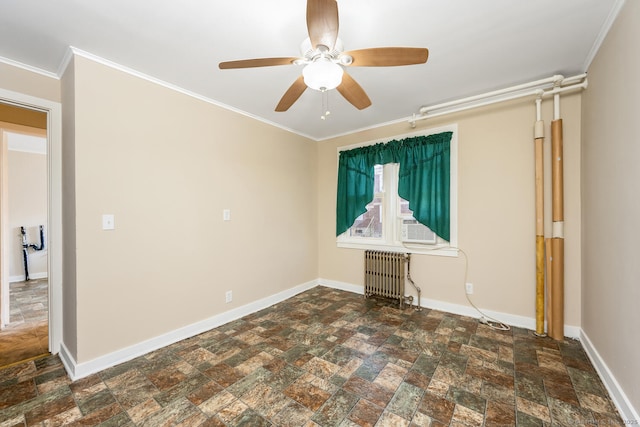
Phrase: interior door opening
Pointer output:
(24, 287)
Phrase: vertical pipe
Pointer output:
(539, 183)
(25, 259)
(556, 306)
(549, 272)
(556, 325)
(557, 172)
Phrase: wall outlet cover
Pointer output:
(108, 222)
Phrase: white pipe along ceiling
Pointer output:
(554, 85)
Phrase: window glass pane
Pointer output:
(369, 224)
(404, 208)
(377, 185)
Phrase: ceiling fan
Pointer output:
(324, 59)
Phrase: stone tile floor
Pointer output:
(325, 358)
(27, 334)
(28, 301)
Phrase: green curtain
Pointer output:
(356, 178)
(423, 179)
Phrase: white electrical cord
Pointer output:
(484, 319)
(487, 320)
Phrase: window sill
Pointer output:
(447, 251)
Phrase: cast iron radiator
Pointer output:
(384, 275)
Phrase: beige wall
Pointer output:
(28, 208)
(166, 165)
(611, 150)
(495, 207)
(69, 288)
(27, 82)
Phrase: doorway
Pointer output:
(24, 304)
(37, 300)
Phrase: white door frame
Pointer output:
(54, 234)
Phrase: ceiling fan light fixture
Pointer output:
(324, 59)
(322, 74)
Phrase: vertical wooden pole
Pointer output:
(556, 305)
(539, 181)
(549, 283)
(557, 171)
(556, 325)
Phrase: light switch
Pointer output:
(226, 214)
(108, 222)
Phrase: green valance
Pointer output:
(423, 179)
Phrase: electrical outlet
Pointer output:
(108, 222)
(469, 288)
(228, 296)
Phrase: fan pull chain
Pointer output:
(325, 104)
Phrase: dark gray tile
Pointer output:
(405, 401)
(335, 409)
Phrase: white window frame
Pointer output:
(391, 231)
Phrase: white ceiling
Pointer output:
(474, 46)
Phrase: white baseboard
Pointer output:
(463, 310)
(34, 276)
(356, 289)
(80, 370)
(628, 413)
(68, 361)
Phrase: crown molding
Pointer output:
(602, 35)
(29, 68)
(66, 60)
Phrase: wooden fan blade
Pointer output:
(353, 92)
(388, 56)
(258, 62)
(291, 95)
(322, 23)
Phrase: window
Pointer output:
(369, 224)
(388, 223)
